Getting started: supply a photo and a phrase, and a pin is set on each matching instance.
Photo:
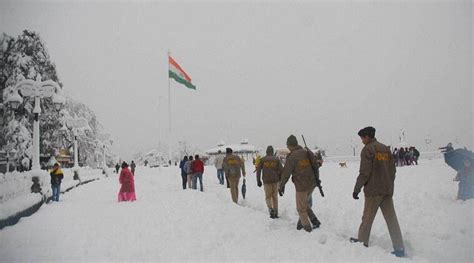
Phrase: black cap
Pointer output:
(291, 141)
(367, 131)
(270, 150)
(228, 150)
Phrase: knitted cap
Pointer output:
(270, 150)
(291, 141)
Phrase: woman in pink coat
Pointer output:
(127, 191)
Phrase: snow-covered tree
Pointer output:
(26, 57)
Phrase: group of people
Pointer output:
(132, 167)
(376, 177)
(192, 169)
(406, 156)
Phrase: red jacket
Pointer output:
(197, 166)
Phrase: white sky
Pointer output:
(263, 70)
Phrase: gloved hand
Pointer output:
(318, 183)
(259, 183)
(281, 191)
(355, 195)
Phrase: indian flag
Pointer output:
(178, 74)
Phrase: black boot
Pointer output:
(272, 213)
(315, 222)
(399, 253)
(355, 240)
(275, 213)
(299, 226)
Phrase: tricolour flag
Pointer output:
(178, 74)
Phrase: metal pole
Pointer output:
(169, 109)
(76, 153)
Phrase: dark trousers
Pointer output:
(184, 176)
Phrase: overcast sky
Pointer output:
(263, 70)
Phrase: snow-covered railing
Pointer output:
(17, 200)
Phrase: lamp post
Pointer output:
(75, 125)
(36, 89)
(104, 165)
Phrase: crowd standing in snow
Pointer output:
(406, 156)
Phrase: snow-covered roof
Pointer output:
(243, 147)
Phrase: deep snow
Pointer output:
(169, 224)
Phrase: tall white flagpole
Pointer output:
(169, 110)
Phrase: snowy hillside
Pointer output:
(170, 224)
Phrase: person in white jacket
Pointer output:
(218, 164)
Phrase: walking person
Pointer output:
(269, 169)
(299, 164)
(57, 176)
(377, 176)
(184, 175)
(117, 168)
(189, 172)
(133, 166)
(416, 155)
(198, 169)
(219, 160)
(234, 167)
(127, 189)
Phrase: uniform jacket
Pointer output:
(233, 166)
(377, 170)
(299, 166)
(271, 167)
(127, 181)
(56, 176)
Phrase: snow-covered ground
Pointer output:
(169, 224)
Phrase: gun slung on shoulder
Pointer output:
(315, 169)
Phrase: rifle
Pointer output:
(315, 169)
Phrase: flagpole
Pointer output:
(169, 109)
